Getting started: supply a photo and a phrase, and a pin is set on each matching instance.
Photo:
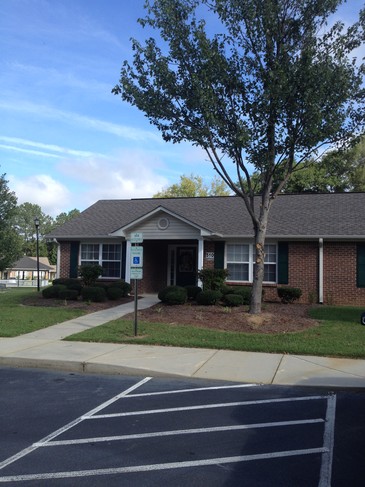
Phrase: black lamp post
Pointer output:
(36, 223)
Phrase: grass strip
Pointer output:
(339, 334)
(17, 319)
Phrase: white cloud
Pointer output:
(52, 196)
(49, 112)
(47, 149)
(129, 174)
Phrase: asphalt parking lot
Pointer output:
(184, 433)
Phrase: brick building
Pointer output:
(314, 241)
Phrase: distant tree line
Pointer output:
(17, 228)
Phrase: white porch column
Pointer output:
(200, 258)
(128, 262)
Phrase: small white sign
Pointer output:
(136, 237)
(136, 273)
(137, 256)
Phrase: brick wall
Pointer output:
(340, 274)
(65, 255)
(208, 247)
(303, 269)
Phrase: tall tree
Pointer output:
(192, 186)
(10, 243)
(337, 171)
(269, 89)
(23, 222)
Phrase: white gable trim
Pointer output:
(135, 224)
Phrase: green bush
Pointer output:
(103, 285)
(66, 281)
(245, 292)
(233, 300)
(208, 298)
(114, 293)
(69, 294)
(75, 286)
(289, 294)
(53, 291)
(225, 289)
(90, 273)
(213, 279)
(94, 294)
(124, 286)
(173, 295)
(193, 291)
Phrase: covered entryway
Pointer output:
(182, 265)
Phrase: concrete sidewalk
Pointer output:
(45, 349)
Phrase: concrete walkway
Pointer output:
(45, 349)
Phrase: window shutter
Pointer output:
(219, 255)
(283, 263)
(361, 265)
(74, 258)
(123, 259)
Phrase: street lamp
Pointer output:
(36, 223)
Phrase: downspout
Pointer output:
(320, 271)
(58, 263)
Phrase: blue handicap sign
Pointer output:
(136, 260)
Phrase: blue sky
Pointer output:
(65, 140)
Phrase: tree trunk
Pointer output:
(260, 236)
(256, 297)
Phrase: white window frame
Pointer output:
(251, 261)
(100, 260)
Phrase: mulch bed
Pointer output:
(275, 317)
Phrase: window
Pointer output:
(241, 259)
(89, 253)
(106, 255)
(238, 262)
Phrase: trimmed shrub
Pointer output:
(124, 286)
(75, 286)
(213, 279)
(90, 273)
(53, 291)
(69, 294)
(245, 293)
(208, 298)
(193, 291)
(114, 293)
(225, 289)
(233, 300)
(94, 294)
(103, 285)
(67, 281)
(173, 295)
(288, 295)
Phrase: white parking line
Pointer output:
(203, 406)
(192, 431)
(70, 425)
(162, 466)
(326, 450)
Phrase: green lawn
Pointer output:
(339, 334)
(17, 319)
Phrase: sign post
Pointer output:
(136, 271)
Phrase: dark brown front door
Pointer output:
(186, 266)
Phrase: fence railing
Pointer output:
(23, 283)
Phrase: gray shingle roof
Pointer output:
(30, 263)
(294, 215)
